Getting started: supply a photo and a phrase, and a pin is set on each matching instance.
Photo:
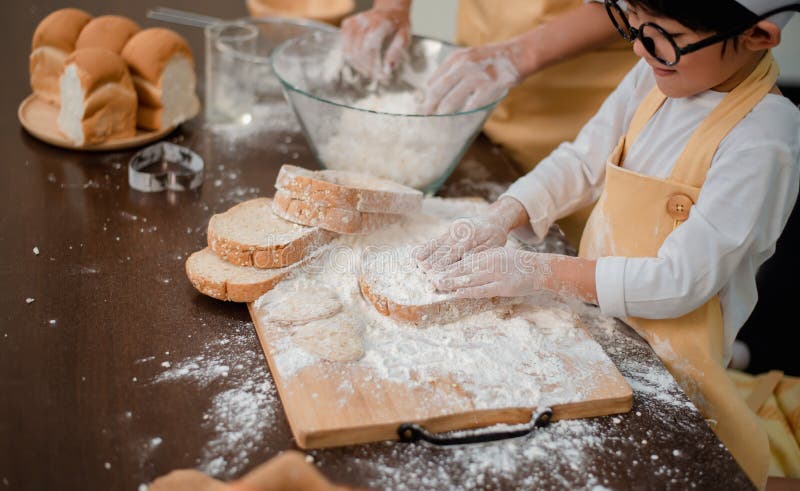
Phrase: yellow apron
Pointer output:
(551, 106)
(633, 216)
(775, 398)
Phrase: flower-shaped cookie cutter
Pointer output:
(165, 166)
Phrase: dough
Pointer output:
(299, 306)
(338, 338)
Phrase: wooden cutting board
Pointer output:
(372, 409)
(332, 404)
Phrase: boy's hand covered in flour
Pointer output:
(374, 42)
(470, 235)
(498, 272)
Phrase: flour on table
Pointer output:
(242, 409)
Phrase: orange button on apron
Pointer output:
(678, 206)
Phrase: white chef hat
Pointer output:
(760, 7)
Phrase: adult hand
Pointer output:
(374, 42)
(498, 272)
(470, 235)
(472, 77)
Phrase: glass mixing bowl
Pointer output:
(358, 125)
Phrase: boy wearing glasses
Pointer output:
(693, 165)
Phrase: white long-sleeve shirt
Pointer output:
(741, 211)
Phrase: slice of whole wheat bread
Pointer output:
(423, 315)
(222, 280)
(250, 234)
(349, 190)
(340, 220)
(392, 282)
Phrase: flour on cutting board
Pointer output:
(564, 454)
(499, 360)
(244, 410)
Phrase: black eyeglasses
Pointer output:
(660, 44)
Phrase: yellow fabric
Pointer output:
(775, 414)
(551, 106)
(788, 395)
(631, 219)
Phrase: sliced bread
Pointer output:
(222, 280)
(391, 281)
(249, 234)
(349, 190)
(340, 220)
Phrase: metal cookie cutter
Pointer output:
(165, 166)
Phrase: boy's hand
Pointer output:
(365, 35)
(465, 236)
(470, 235)
(498, 272)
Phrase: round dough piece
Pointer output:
(299, 306)
(339, 338)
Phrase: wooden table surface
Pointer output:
(113, 370)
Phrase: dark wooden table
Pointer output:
(113, 370)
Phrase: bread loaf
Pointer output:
(111, 32)
(249, 234)
(53, 40)
(98, 101)
(162, 67)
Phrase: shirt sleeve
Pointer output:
(571, 177)
(740, 213)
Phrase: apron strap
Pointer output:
(647, 108)
(695, 159)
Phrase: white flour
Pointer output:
(245, 410)
(240, 415)
(500, 362)
(567, 454)
(412, 150)
(394, 273)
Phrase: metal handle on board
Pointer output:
(410, 432)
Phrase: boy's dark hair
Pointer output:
(712, 16)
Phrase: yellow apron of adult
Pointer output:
(551, 106)
(633, 216)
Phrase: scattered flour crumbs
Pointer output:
(499, 361)
(247, 406)
(241, 414)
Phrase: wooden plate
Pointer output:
(40, 119)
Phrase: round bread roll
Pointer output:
(162, 67)
(53, 40)
(98, 101)
(107, 31)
